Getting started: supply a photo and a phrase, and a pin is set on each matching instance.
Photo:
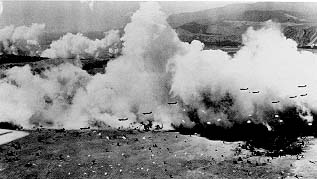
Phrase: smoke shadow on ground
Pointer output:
(285, 138)
(10, 58)
(10, 126)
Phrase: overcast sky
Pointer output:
(61, 16)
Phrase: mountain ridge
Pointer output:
(224, 26)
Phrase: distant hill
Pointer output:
(277, 16)
(224, 26)
(261, 11)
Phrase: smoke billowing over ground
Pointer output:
(21, 40)
(79, 46)
(158, 78)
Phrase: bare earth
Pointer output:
(133, 154)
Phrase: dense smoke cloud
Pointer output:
(21, 40)
(79, 46)
(29, 99)
(136, 82)
(155, 69)
(263, 75)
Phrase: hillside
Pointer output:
(261, 11)
(224, 26)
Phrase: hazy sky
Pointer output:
(77, 16)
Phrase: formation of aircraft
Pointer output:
(275, 102)
(241, 89)
(123, 119)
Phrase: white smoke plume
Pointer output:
(28, 99)
(156, 68)
(266, 73)
(79, 46)
(136, 82)
(21, 40)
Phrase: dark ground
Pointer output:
(132, 154)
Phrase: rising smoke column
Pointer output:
(136, 82)
(21, 40)
(79, 46)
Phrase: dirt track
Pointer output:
(132, 154)
(9, 135)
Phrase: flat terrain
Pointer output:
(134, 154)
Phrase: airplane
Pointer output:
(82, 128)
(293, 97)
(256, 92)
(275, 101)
(172, 102)
(145, 113)
(302, 86)
(303, 94)
(123, 119)
(243, 89)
